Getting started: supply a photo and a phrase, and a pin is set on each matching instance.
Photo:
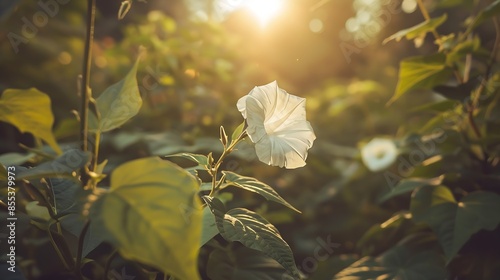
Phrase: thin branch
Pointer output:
(85, 85)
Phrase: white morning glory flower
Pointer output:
(379, 154)
(277, 125)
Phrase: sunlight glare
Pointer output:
(263, 10)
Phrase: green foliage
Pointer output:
(29, 110)
(421, 72)
(253, 231)
(445, 164)
(455, 222)
(492, 10)
(437, 220)
(253, 185)
(241, 263)
(119, 102)
(62, 166)
(408, 185)
(399, 262)
(154, 199)
(208, 227)
(418, 31)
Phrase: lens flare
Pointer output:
(263, 10)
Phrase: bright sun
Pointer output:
(263, 10)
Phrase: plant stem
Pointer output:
(108, 264)
(427, 17)
(79, 251)
(96, 149)
(425, 13)
(85, 90)
(227, 151)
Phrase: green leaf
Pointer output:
(381, 237)
(460, 93)
(421, 72)
(237, 131)
(418, 30)
(201, 161)
(253, 185)
(399, 262)
(208, 228)
(408, 185)
(70, 199)
(63, 166)
(253, 231)
(440, 106)
(242, 263)
(15, 158)
(454, 223)
(119, 102)
(492, 10)
(29, 110)
(152, 214)
(462, 49)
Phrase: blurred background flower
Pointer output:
(379, 153)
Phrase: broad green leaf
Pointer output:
(70, 199)
(421, 72)
(408, 185)
(492, 10)
(29, 110)
(67, 193)
(200, 160)
(399, 262)
(35, 210)
(454, 223)
(67, 127)
(119, 102)
(253, 185)
(152, 214)
(253, 231)
(208, 228)
(15, 158)
(381, 237)
(242, 263)
(418, 30)
(440, 106)
(63, 166)
(477, 211)
(237, 131)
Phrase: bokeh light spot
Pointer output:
(316, 25)
(409, 6)
(352, 25)
(101, 61)
(64, 58)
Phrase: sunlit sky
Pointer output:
(263, 10)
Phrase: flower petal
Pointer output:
(242, 105)
(276, 123)
(286, 150)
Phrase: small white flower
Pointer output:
(379, 154)
(277, 125)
